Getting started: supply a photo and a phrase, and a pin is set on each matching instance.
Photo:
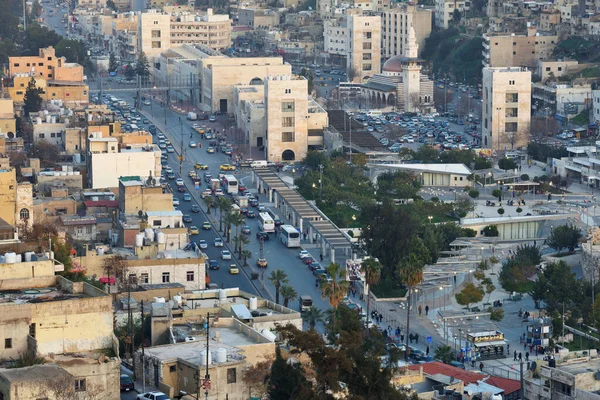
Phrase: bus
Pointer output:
(229, 184)
(289, 236)
(266, 223)
(274, 217)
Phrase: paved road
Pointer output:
(278, 256)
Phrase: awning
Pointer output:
(495, 343)
(241, 311)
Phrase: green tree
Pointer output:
(473, 193)
(507, 163)
(224, 206)
(129, 71)
(426, 154)
(469, 295)
(516, 271)
(32, 101)
(289, 294)
(287, 380)
(524, 177)
(209, 201)
(488, 286)
(111, 4)
(496, 314)
(596, 312)
(397, 185)
(557, 285)
(411, 274)
(490, 231)
(142, 66)
(312, 316)
(372, 270)
(245, 255)
(501, 211)
(278, 279)
(445, 354)
(497, 193)
(36, 10)
(456, 16)
(335, 288)
(113, 64)
(315, 158)
(564, 237)
(519, 210)
(47, 152)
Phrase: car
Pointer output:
(218, 242)
(308, 260)
(246, 229)
(261, 208)
(179, 182)
(200, 166)
(262, 235)
(206, 226)
(213, 264)
(181, 189)
(187, 218)
(193, 144)
(210, 149)
(303, 253)
(152, 396)
(212, 118)
(206, 193)
(195, 208)
(219, 192)
(254, 203)
(242, 188)
(261, 263)
(162, 145)
(225, 254)
(192, 174)
(227, 167)
(318, 272)
(193, 230)
(233, 269)
(147, 103)
(202, 244)
(175, 201)
(170, 149)
(244, 210)
(251, 214)
(126, 383)
(314, 265)
(187, 197)
(145, 121)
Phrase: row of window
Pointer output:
(166, 277)
(41, 64)
(52, 135)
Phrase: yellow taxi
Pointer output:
(193, 230)
(200, 166)
(192, 174)
(261, 263)
(233, 269)
(227, 167)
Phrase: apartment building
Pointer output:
(510, 50)
(444, 11)
(16, 199)
(396, 24)
(258, 18)
(595, 114)
(336, 37)
(124, 38)
(364, 47)
(572, 378)
(8, 123)
(506, 107)
(554, 69)
(562, 99)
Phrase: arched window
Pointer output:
(24, 214)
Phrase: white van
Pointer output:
(258, 164)
(374, 113)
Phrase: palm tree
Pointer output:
(224, 205)
(278, 278)
(312, 316)
(237, 220)
(210, 202)
(411, 274)
(336, 288)
(445, 354)
(246, 254)
(289, 294)
(372, 269)
(228, 220)
(243, 241)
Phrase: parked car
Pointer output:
(213, 264)
(152, 396)
(126, 383)
(218, 242)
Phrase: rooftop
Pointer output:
(576, 368)
(157, 214)
(38, 295)
(457, 169)
(34, 373)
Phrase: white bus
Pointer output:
(266, 223)
(274, 217)
(289, 236)
(229, 184)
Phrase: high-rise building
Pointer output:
(444, 11)
(506, 107)
(396, 24)
(364, 56)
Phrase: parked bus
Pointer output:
(229, 184)
(266, 223)
(289, 236)
(275, 217)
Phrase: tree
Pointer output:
(456, 16)
(312, 316)
(278, 278)
(445, 354)
(286, 380)
(142, 66)
(289, 294)
(516, 271)
(224, 206)
(351, 73)
(488, 286)
(426, 154)
(497, 193)
(62, 387)
(372, 270)
(113, 65)
(501, 211)
(32, 101)
(490, 231)
(256, 376)
(564, 237)
(506, 164)
(416, 102)
(129, 72)
(411, 274)
(397, 185)
(209, 201)
(335, 288)
(246, 254)
(111, 4)
(315, 158)
(36, 10)
(473, 193)
(496, 314)
(469, 295)
(47, 152)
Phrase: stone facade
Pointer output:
(396, 25)
(364, 56)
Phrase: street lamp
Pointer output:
(430, 218)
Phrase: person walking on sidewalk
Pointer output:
(515, 356)
(481, 366)
(426, 310)
(420, 310)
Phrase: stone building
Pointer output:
(364, 47)
(510, 50)
(396, 25)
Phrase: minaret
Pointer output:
(411, 73)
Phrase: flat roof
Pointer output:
(38, 295)
(34, 373)
(456, 169)
(509, 219)
(156, 214)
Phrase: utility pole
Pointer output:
(143, 368)
(181, 154)
(207, 376)
(25, 15)
(350, 126)
(321, 181)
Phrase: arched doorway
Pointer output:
(257, 81)
(288, 155)
(391, 100)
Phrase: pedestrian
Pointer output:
(420, 310)
(417, 338)
(527, 356)
(321, 257)
(316, 283)
(427, 350)
(507, 348)
(410, 337)
(520, 357)
(426, 310)
(402, 337)
(481, 366)
(524, 345)
(515, 356)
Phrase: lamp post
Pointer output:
(321, 181)
(498, 122)
(430, 218)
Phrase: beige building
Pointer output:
(506, 107)
(444, 11)
(503, 50)
(364, 49)
(16, 199)
(46, 65)
(8, 123)
(554, 69)
(135, 196)
(257, 18)
(396, 24)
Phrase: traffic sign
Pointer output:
(429, 339)
(206, 384)
(180, 158)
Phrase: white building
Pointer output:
(595, 116)
(396, 24)
(432, 174)
(444, 11)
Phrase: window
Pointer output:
(49, 58)
(366, 56)
(231, 375)
(287, 137)
(288, 106)
(155, 33)
(32, 330)
(41, 64)
(42, 136)
(367, 35)
(512, 112)
(19, 93)
(24, 214)
(8, 343)
(156, 45)
(16, 65)
(367, 46)
(59, 134)
(512, 97)
(510, 127)
(287, 122)
(80, 385)
(172, 368)
(547, 69)
(288, 91)
(190, 276)
(166, 277)
(155, 22)
(366, 67)
(88, 229)
(144, 277)
(559, 69)
(52, 134)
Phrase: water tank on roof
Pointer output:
(221, 355)
(45, 112)
(10, 258)
(139, 239)
(115, 238)
(53, 119)
(159, 300)
(38, 120)
(28, 256)
(222, 294)
(177, 300)
(100, 251)
(48, 119)
(95, 198)
(19, 258)
(269, 335)
(161, 238)
(253, 303)
(203, 357)
(149, 233)
(77, 158)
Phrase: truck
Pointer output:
(306, 303)
(191, 116)
(215, 184)
(243, 201)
